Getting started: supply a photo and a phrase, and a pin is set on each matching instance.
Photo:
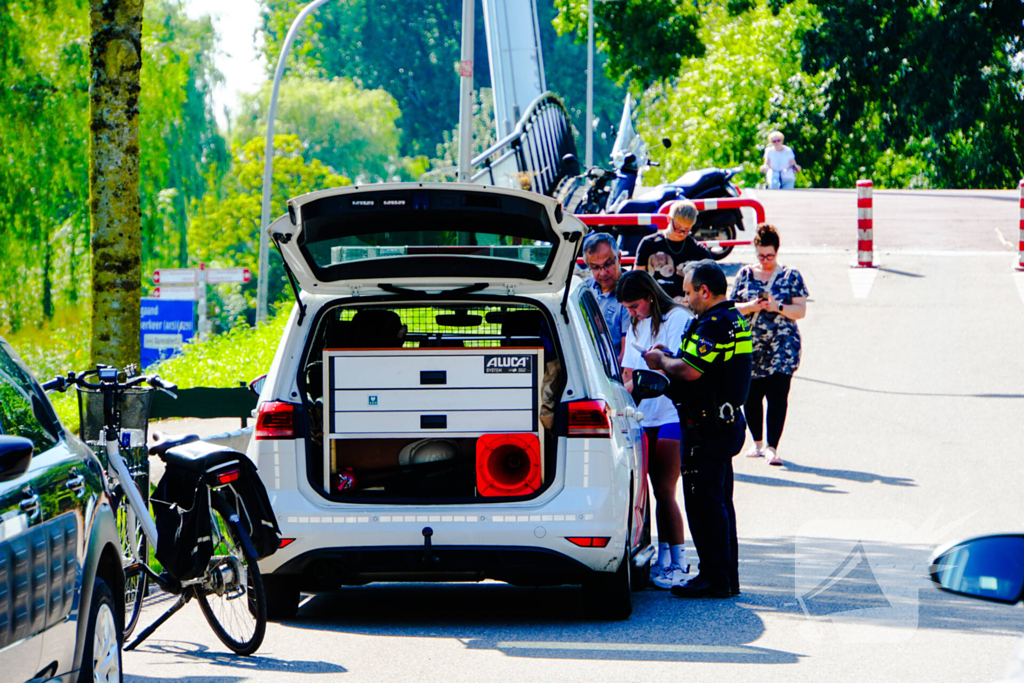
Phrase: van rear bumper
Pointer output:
(327, 569)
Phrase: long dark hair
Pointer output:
(638, 284)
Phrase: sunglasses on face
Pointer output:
(766, 257)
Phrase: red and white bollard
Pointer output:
(865, 225)
(1020, 261)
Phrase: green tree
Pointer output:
(645, 40)
(942, 81)
(224, 231)
(409, 49)
(115, 55)
(351, 130)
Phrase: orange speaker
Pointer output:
(508, 464)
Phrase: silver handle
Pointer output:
(30, 505)
(77, 485)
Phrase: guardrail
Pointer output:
(530, 157)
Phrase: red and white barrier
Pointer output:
(723, 203)
(1020, 261)
(865, 225)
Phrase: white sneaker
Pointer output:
(656, 570)
(672, 576)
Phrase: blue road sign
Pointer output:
(166, 326)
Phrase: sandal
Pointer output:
(755, 452)
(774, 460)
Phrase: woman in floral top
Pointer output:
(773, 298)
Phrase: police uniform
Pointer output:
(719, 345)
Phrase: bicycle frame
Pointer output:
(131, 491)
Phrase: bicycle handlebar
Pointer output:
(62, 383)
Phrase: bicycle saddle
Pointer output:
(162, 442)
(199, 457)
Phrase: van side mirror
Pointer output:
(988, 567)
(15, 456)
(256, 386)
(648, 384)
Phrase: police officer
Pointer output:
(710, 378)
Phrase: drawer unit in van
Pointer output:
(430, 393)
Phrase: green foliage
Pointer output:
(44, 183)
(749, 82)
(646, 40)
(224, 231)
(948, 71)
(409, 50)
(241, 354)
(351, 130)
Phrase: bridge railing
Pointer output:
(530, 157)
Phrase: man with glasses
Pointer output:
(664, 253)
(601, 254)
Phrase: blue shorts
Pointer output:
(669, 431)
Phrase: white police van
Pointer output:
(440, 408)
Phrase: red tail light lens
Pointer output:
(589, 541)
(508, 464)
(276, 420)
(285, 542)
(227, 477)
(589, 419)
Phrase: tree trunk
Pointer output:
(116, 66)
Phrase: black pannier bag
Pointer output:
(249, 498)
(181, 506)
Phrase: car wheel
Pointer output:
(609, 596)
(282, 597)
(101, 656)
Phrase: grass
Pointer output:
(223, 360)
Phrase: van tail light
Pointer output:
(589, 419)
(589, 541)
(276, 420)
(508, 464)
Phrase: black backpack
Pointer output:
(249, 498)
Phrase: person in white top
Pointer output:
(780, 167)
(656, 319)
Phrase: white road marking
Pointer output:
(1018, 278)
(629, 647)
(861, 279)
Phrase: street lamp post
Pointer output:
(466, 92)
(589, 161)
(268, 163)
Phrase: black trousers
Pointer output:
(775, 388)
(707, 494)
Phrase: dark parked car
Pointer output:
(61, 582)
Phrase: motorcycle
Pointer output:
(603, 191)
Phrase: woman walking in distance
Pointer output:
(656, 319)
(773, 298)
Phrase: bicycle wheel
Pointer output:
(134, 554)
(231, 596)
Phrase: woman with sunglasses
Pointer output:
(773, 298)
(656, 319)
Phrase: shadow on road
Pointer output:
(849, 475)
(546, 622)
(785, 483)
(192, 653)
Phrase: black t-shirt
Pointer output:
(664, 260)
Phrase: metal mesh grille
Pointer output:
(134, 405)
(472, 325)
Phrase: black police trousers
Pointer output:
(707, 495)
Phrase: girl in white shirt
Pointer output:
(656, 319)
(780, 167)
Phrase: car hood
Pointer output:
(427, 237)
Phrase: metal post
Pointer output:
(268, 163)
(466, 93)
(1020, 236)
(865, 225)
(204, 323)
(589, 159)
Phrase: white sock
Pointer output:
(664, 554)
(679, 556)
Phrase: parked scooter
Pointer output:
(603, 191)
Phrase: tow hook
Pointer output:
(428, 551)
